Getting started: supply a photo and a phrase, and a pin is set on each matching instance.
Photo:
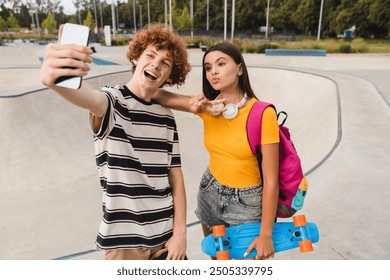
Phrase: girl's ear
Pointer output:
(239, 73)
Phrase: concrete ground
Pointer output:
(339, 115)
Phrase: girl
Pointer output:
(231, 191)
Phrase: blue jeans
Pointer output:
(222, 205)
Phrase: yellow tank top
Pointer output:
(231, 160)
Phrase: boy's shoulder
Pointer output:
(121, 91)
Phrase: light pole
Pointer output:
(207, 13)
(165, 13)
(135, 17)
(233, 17)
(140, 16)
(267, 21)
(170, 14)
(96, 21)
(117, 14)
(101, 14)
(192, 17)
(319, 22)
(225, 21)
(148, 13)
(113, 19)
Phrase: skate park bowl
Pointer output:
(49, 182)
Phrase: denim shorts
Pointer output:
(218, 204)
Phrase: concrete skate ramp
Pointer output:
(49, 183)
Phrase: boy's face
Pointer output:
(153, 67)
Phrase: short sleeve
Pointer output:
(269, 127)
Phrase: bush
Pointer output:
(359, 46)
(266, 45)
(345, 48)
(118, 41)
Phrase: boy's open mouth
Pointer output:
(150, 75)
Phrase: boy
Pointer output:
(136, 144)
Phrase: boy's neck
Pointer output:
(141, 92)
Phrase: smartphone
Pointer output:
(73, 34)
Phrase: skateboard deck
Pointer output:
(232, 242)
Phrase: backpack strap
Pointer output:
(253, 128)
(253, 125)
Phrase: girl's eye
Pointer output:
(208, 69)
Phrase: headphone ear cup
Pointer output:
(231, 111)
(217, 106)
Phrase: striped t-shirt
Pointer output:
(135, 147)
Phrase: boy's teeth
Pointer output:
(151, 74)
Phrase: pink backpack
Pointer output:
(292, 183)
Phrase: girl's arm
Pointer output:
(270, 165)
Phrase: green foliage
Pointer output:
(49, 23)
(13, 22)
(183, 22)
(118, 41)
(345, 48)
(300, 17)
(359, 46)
(3, 24)
(89, 21)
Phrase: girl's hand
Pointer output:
(264, 247)
(200, 104)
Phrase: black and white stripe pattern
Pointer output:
(135, 147)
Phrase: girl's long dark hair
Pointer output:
(243, 82)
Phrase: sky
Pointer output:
(69, 8)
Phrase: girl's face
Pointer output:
(222, 71)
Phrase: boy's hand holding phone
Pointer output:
(67, 62)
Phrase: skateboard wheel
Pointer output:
(305, 246)
(219, 230)
(299, 221)
(224, 255)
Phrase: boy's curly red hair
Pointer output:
(162, 38)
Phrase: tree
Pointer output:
(49, 23)
(13, 22)
(3, 24)
(379, 14)
(183, 22)
(89, 21)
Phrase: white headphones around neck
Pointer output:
(231, 109)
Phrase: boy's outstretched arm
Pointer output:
(59, 61)
(177, 244)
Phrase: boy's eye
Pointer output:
(149, 55)
(166, 64)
